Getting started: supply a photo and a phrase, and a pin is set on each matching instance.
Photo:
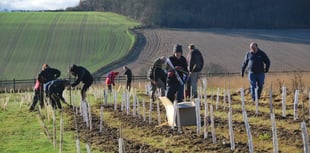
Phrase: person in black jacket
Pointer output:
(195, 64)
(258, 64)
(177, 73)
(128, 74)
(157, 76)
(48, 74)
(83, 75)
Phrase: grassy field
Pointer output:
(21, 131)
(91, 39)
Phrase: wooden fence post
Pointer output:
(14, 81)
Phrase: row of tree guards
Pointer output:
(130, 104)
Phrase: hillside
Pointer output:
(224, 49)
(91, 39)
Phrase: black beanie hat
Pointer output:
(177, 48)
(73, 68)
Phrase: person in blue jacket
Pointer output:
(258, 64)
(54, 90)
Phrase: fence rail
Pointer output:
(27, 84)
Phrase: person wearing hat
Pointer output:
(177, 72)
(258, 64)
(83, 75)
(195, 65)
(157, 76)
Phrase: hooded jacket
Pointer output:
(82, 74)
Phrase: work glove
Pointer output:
(170, 74)
(266, 70)
(242, 74)
(178, 68)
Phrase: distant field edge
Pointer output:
(131, 56)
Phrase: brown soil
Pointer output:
(107, 141)
(224, 47)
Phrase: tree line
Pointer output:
(208, 13)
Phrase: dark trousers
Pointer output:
(55, 100)
(175, 88)
(38, 96)
(128, 85)
(85, 88)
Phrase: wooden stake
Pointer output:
(217, 98)
(158, 112)
(143, 105)
(256, 100)
(101, 119)
(61, 132)
(206, 119)
(284, 102)
(296, 104)
(150, 111)
(198, 122)
(230, 123)
(54, 128)
(305, 136)
(212, 125)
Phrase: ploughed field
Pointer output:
(224, 49)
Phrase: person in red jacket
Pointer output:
(110, 80)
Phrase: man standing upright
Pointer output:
(48, 74)
(177, 72)
(128, 74)
(195, 65)
(258, 64)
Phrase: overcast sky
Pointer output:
(37, 4)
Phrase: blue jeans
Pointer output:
(256, 80)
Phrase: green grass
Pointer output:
(20, 131)
(91, 39)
